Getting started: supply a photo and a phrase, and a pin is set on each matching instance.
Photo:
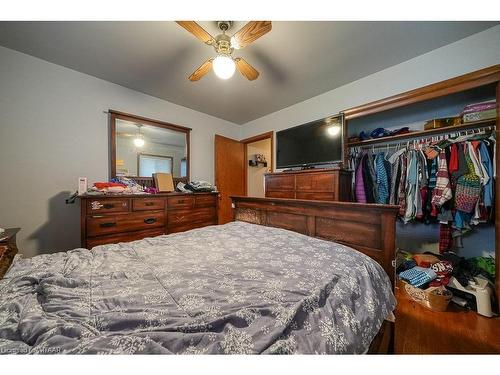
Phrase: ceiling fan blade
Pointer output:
(201, 71)
(197, 31)
(246, 69)
(250, 33)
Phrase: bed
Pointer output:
(255, 285)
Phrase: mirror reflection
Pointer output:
(143, 149)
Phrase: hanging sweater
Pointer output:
(442, 192)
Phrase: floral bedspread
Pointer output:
(237, 288)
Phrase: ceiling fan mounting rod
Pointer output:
(224, 25)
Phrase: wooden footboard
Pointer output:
(368, 228)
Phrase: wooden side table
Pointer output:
(8, 249)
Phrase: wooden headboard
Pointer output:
(368, 228)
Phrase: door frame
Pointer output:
(256, 138)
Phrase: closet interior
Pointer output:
(442, 177)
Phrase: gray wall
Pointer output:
(53, 130)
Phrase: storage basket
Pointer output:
(433, 298)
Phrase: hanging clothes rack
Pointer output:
(453, 133)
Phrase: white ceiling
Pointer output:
(297, 60)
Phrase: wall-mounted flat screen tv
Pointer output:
(314, 143)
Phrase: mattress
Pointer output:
(237, 288)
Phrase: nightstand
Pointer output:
(8, 249)
(419, 330)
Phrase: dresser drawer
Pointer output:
(107, 205)
(191, 216)
(205, 200)
(315, 196)
(123, 237)
(315, 182)
(148, 204)
(280, 182)
(179, 203)
(98, 225)
(280, 194)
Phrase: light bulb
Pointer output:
(139, 141)
(234, 43)
(224, 66)
(333, 130)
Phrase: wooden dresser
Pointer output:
(8, 249)
(121, 218)
(312, 184)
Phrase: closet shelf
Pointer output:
(252, 163)
(424, 133)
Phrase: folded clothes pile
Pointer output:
(109, 187)
(422, 270)
(443, 270)
(479, 111)
(119, 185)
(418, 276)
(381, 132)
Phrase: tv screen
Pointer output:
(317, 142)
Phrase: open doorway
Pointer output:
(233, 175)
(258, 161)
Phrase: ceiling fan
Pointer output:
(224, 64)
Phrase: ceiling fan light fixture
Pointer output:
(224, 66)
(139, 138)
(139, 142)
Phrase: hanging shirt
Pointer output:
(382, 180)
(402, 184)
(442, 192)
(367, 179)
(453, 164)
(359, 183)
(488, 165)
(411, 187)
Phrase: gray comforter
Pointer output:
(236, 288)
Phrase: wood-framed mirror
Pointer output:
(141, 146)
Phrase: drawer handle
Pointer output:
(107, 225)
(108, 205)
(150, 203)
(150, 220)
(180, 201)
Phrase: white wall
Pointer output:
(255, 175)
(53, 130)
(475, 52)
(472, 53)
